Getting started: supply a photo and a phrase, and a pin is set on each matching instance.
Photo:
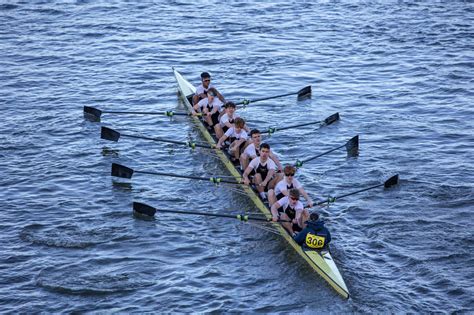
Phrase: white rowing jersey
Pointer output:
(231, 133)
(225, 118)
(251, 151)
(293, 213)
(269, 164)
(200, 89)
(283, 186)
(215, 103)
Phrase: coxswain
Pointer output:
(290, 208)
(210, 107)
(252, 150)
(264, 169)
(237, 137)
(201, 90)
(283, 186)
(315, 235)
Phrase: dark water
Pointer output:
(400, 74)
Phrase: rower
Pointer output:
(201, 90)
(315, 235)
(210, 106)
(253, 150)
(237, 136)
(264, 169)
(289, 208)
(226, 120)
(288, 182)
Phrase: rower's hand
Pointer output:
(310, 204)
(275, 219)
(218, 146)
(262, 184)
(246, 181)
(294, 221)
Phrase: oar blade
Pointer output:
(392, 181)
(352, 147)
(109, 134)
(92, 111)
(121, 171)
(305, 92)
(331, 119)
(143, 209)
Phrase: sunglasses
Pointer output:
(293, 198)
(207, 80)
(290, 174)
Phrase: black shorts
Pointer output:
(215, 118)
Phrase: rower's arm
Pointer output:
(275, 159)
(219, 96)
(245, 175)
(274, 211)
(306, 197)
(221, 140)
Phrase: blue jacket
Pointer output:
(315, 227)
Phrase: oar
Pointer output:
(127, 172)
(144, 209)
(306, 91)
(392, 181)
(352, 148)
(113, 135)
(97, 112)
(326, 122)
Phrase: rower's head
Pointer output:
(293, 196)
(314, 216)
(256, 136)
(264, 151)
(205, 79)
(211, 93)
(239, 123)
(230, 107)
(289, 171)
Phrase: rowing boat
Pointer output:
(321, 261)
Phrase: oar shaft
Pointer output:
(167, 113)
(154, 139)
(270, 97)
(273, 130)
(359, 191)
(212, 179)
(327, 152)
(167, 141)
(216, 180)
(198, 213)
(172, 175)
(241, 217)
